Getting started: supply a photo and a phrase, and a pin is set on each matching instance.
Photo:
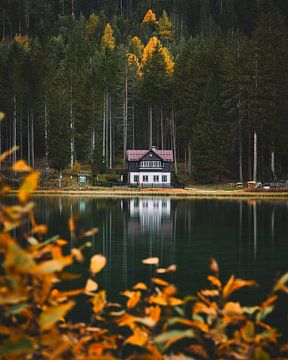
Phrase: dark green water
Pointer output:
(248, 238)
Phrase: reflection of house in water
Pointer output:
(149, 216)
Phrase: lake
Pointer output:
(248, 238)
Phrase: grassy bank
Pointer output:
(185, 193)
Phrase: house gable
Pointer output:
(151, 155)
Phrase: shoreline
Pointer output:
(175, 193)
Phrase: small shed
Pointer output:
(83, 179)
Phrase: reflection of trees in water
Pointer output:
(242, 235)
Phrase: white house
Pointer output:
(150, 168)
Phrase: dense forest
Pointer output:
(81, 81)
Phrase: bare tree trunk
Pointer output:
(150, 115)
(162, 126)
(72, 149)
(174, 139)
(3, 30)
(93, 135)
(133, 119)
(240, 153)
(60, 179)
(32, 139)
(273, 161)
(125, 116)
(190, 159)
(62, 7)
(185, 160)
(21, 134)
(110, 136)
(255, 157)
(0, 143)
(72, 9)
(104, 127)
(28, 138)
(46, 129)
(107, 128)
(14, 131)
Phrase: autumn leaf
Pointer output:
(99, 301)
(8, 153)
(40, 229)
(19, 259)
(134, 299)
(213, 266)
(139, 338)
(14, 346)
(90, 232)
(97, 263)
(72, 224)
(140, 286)
(172, 301)
(281, 283)
(234, 284)
(154, 312)
(77, 254)
(49, 317)
(159, 282)
(169, 269)
(174, 335)
(151, 261)
(55, 265)
(21, 166)
(215, 281)
(29, 185)
(198, 350)
(90, 286)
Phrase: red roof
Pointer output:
(135, 155)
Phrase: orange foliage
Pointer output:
(149, 17)
(151, 46)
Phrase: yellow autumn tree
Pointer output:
(165, 26)
(92, 24)
(108, 40)
(169, 63)
(150, 47)
(135, 46)
(154, 43)
(149, 17)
